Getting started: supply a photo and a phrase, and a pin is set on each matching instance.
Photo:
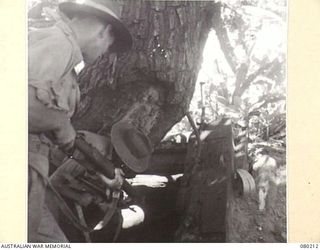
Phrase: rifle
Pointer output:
(102, 165)
(94, 163)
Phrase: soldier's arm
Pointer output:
(49, 59)
(44, 119)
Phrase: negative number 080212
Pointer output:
(309, 246)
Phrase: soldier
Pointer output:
(87, 30)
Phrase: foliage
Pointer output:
(243, 73)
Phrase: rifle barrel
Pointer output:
(104, 166)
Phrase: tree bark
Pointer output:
(153, 84)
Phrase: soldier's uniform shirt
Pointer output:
(53, 55)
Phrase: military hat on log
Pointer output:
(108, 10)
(132, 145)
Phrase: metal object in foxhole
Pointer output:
(245, 182)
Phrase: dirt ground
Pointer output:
(249, 224)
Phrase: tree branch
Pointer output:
(241, 76)
(254, 75)
(223, 38)
(267, 101)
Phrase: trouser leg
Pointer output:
(49, 230)
(36, 195)
(42, 226)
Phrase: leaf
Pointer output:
(222, 100)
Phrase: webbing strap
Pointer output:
(62, 204)
(69, 214)
(83, 221)
(108, 215)
(119, 226)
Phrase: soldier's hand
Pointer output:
(115, 183)
(65, 137)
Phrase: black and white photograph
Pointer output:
(154, 121)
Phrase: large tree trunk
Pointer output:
(153, 84)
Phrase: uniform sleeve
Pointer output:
(50, 58)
